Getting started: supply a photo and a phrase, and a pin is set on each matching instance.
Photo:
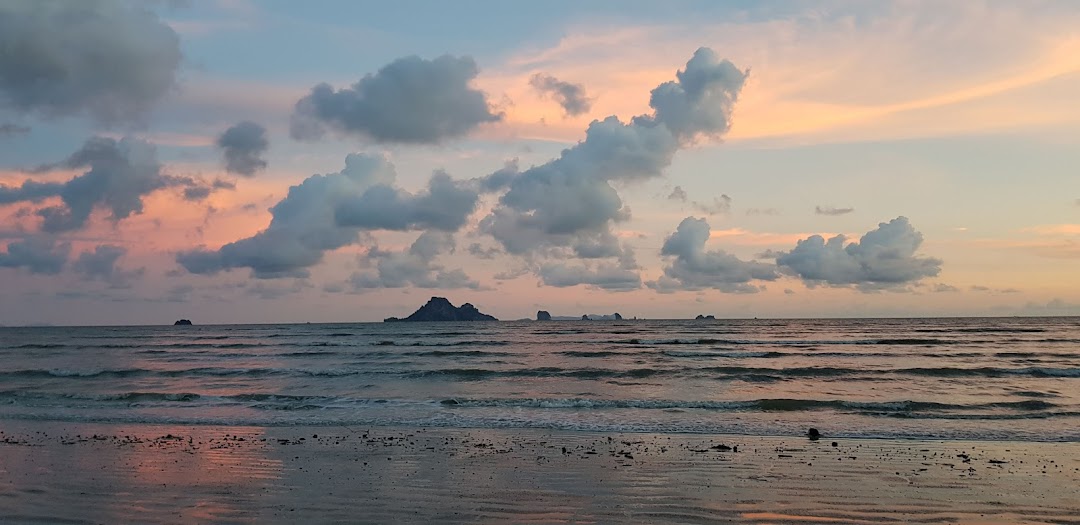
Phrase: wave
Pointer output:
(797, 342)
(763, 405)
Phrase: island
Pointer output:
(440, 309)
(543, 315)
(183, 322)
(705, 317)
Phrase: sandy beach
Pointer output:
(68, 473)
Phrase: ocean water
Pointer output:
(993, 378)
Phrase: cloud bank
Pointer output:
(557, 208)
(39, 254)
(327, 212)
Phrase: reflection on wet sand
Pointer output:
(99, 473)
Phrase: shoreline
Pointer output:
(94, 473)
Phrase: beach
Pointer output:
(57, 472)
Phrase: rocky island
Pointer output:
(543, 315)
(183, 322)
(440, 309)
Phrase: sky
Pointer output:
(243, 161)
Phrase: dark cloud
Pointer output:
(678, 194)
(41, 255)
(480, 252)
(720, 206)
(101, 264)
(413, 267)
(243, 146)
(197, 193)
(121, 173)
(410, 100)
(29, 191)
(692, 268)
(8, 129)
(882, 258)
(327, 212)
(109, 59)
(571, 97)
(553, 204)
(829, 210)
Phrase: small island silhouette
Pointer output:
(440, 309)
(183, 322)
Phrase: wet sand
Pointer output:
(83, 473)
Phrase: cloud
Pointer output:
(882, 258)
(829, 210)
(552, 204)
(571, 97)
(444, 205)
(603, 275)
(121, 173)
(410, 100)
(100, 264)
(695, 269)
(327, 212)
(720, 206)
(109, 59)
(8, 129)
(678, 194)
(40, 255)
(413, 267)
(29, 191)
(944, 288)
(762, 211)
(243, 145)
(480, 252)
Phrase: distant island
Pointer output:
(440, 309)
(183, 322)
(705, 317)
(544, 315)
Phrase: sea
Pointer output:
(946, 378)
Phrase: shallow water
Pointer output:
(1000, 378)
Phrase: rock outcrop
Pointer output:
(705, 317)
(543, 315)
(183, 322)
(440, 309)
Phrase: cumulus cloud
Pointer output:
(327, 212)
(39, 254)
(693, 268)
(829, 210)
(444, 205)
(480, 252)
(8, 129)
(243, 145)
(109, 59)
(552, 204)
(882, 258)
(101, 264)
(121, 173)
(410, 100)
(413, 267)
(571, 97)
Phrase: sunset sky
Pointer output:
(242, 161)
